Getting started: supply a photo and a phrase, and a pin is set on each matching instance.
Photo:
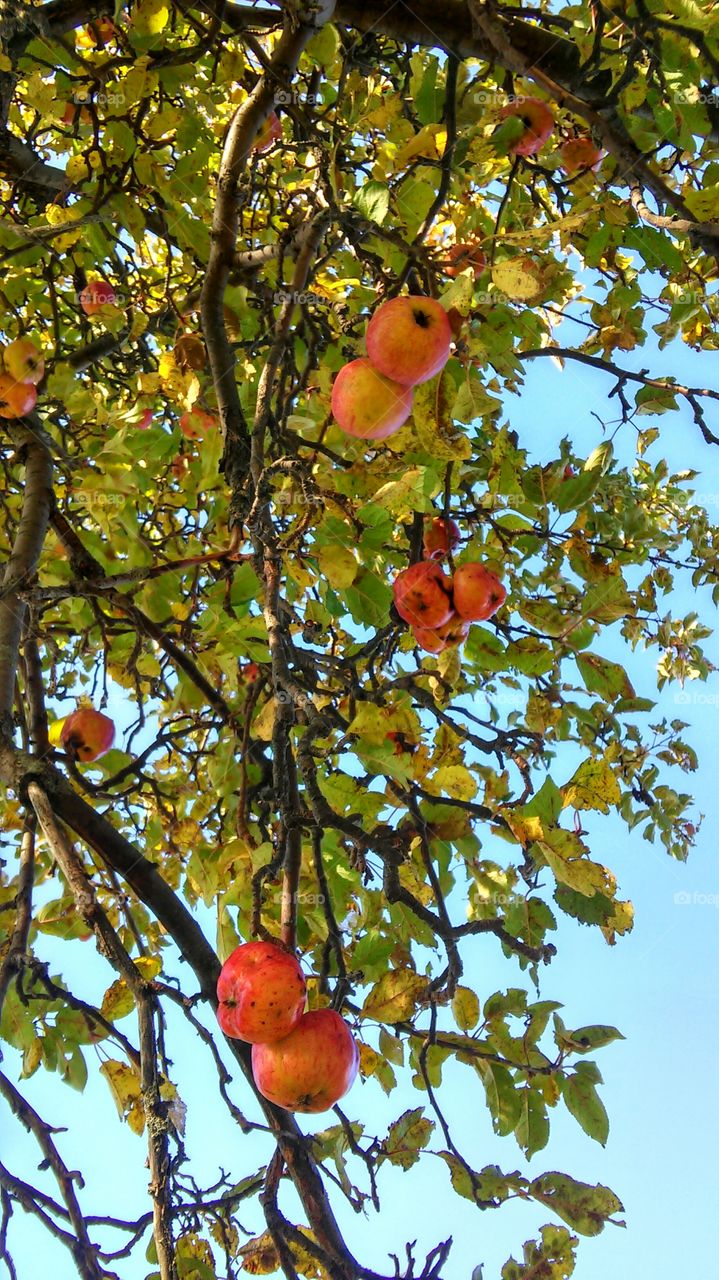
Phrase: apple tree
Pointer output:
(202, 206)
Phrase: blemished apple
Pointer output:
(87, 734)
(367, 404)
(195, 423)
(538, 123)
(463, 255)
(477, 592)
(580, 153)
(97, 294)
(422, 595)
(312, 1068)
(436, 640)
(261, 992)
(16, 398)
(440, 538)
(23, 361)
(408, 339)
(270, 132)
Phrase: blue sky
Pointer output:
(658, 985)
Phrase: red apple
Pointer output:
(440, 538)
(261, 993)
(477, 592)
(579, 153)
(269, 133)
(538, 124)
(422, 595)
(463, 255)
(87, 734)
(16, 398)
(249, 673)
(144, 422)
(312, 1068)
(408, 339)
(436, 640)
(96, 294)
(23, 361)
(196, 423)
(367, 404)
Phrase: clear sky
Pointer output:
(658, 985)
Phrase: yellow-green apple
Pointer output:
(23, 361)
(538, 123)
(261, 993)
(269, 133)
(440, 538)
(477, 592)
(16, 398)
(579, 153)
(195, 423)
(96, 294)
(463, 255)
(312, 1068)
(367, 404)
(422, 595)
(87, 734)
(408, 339)
(436, 640)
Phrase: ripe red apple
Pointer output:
(463, 255)
(23, 361)
(196, 423)
(312, 1068)
(270, 132)
(96, 294)
(408, 339)
(538, 124)
(579, 153)
(261, 993)
(440, 538)
(477, 592)
(87, 734)
(367, 404)
(16, 398)
(422, 595)
(145, 421)
(436, 640)
(248, 673)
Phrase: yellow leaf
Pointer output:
(124, 1085)
(593, 786)
(430, 142)
(453, 780)
(149, 17)
(524, 829)
(338, 565)
(54, 732)
(394, 998)
(264, 721)
(518, 278)
(565, 855)
(465, 1007)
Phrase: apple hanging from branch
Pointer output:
(408, 339)
(311, 1068)
(422, 595)
(261, 993)
(367, 404)
(87, 734)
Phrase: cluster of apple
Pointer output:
(300, 1061)
(534, 124)
(87, 734)
(438, 608)
(21, 369)
(408, 341)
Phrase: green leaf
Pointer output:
(606, 678)
(532, 1127)
(584, 1103)
(372, 200)
(585, 1208)
(406, 1138)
